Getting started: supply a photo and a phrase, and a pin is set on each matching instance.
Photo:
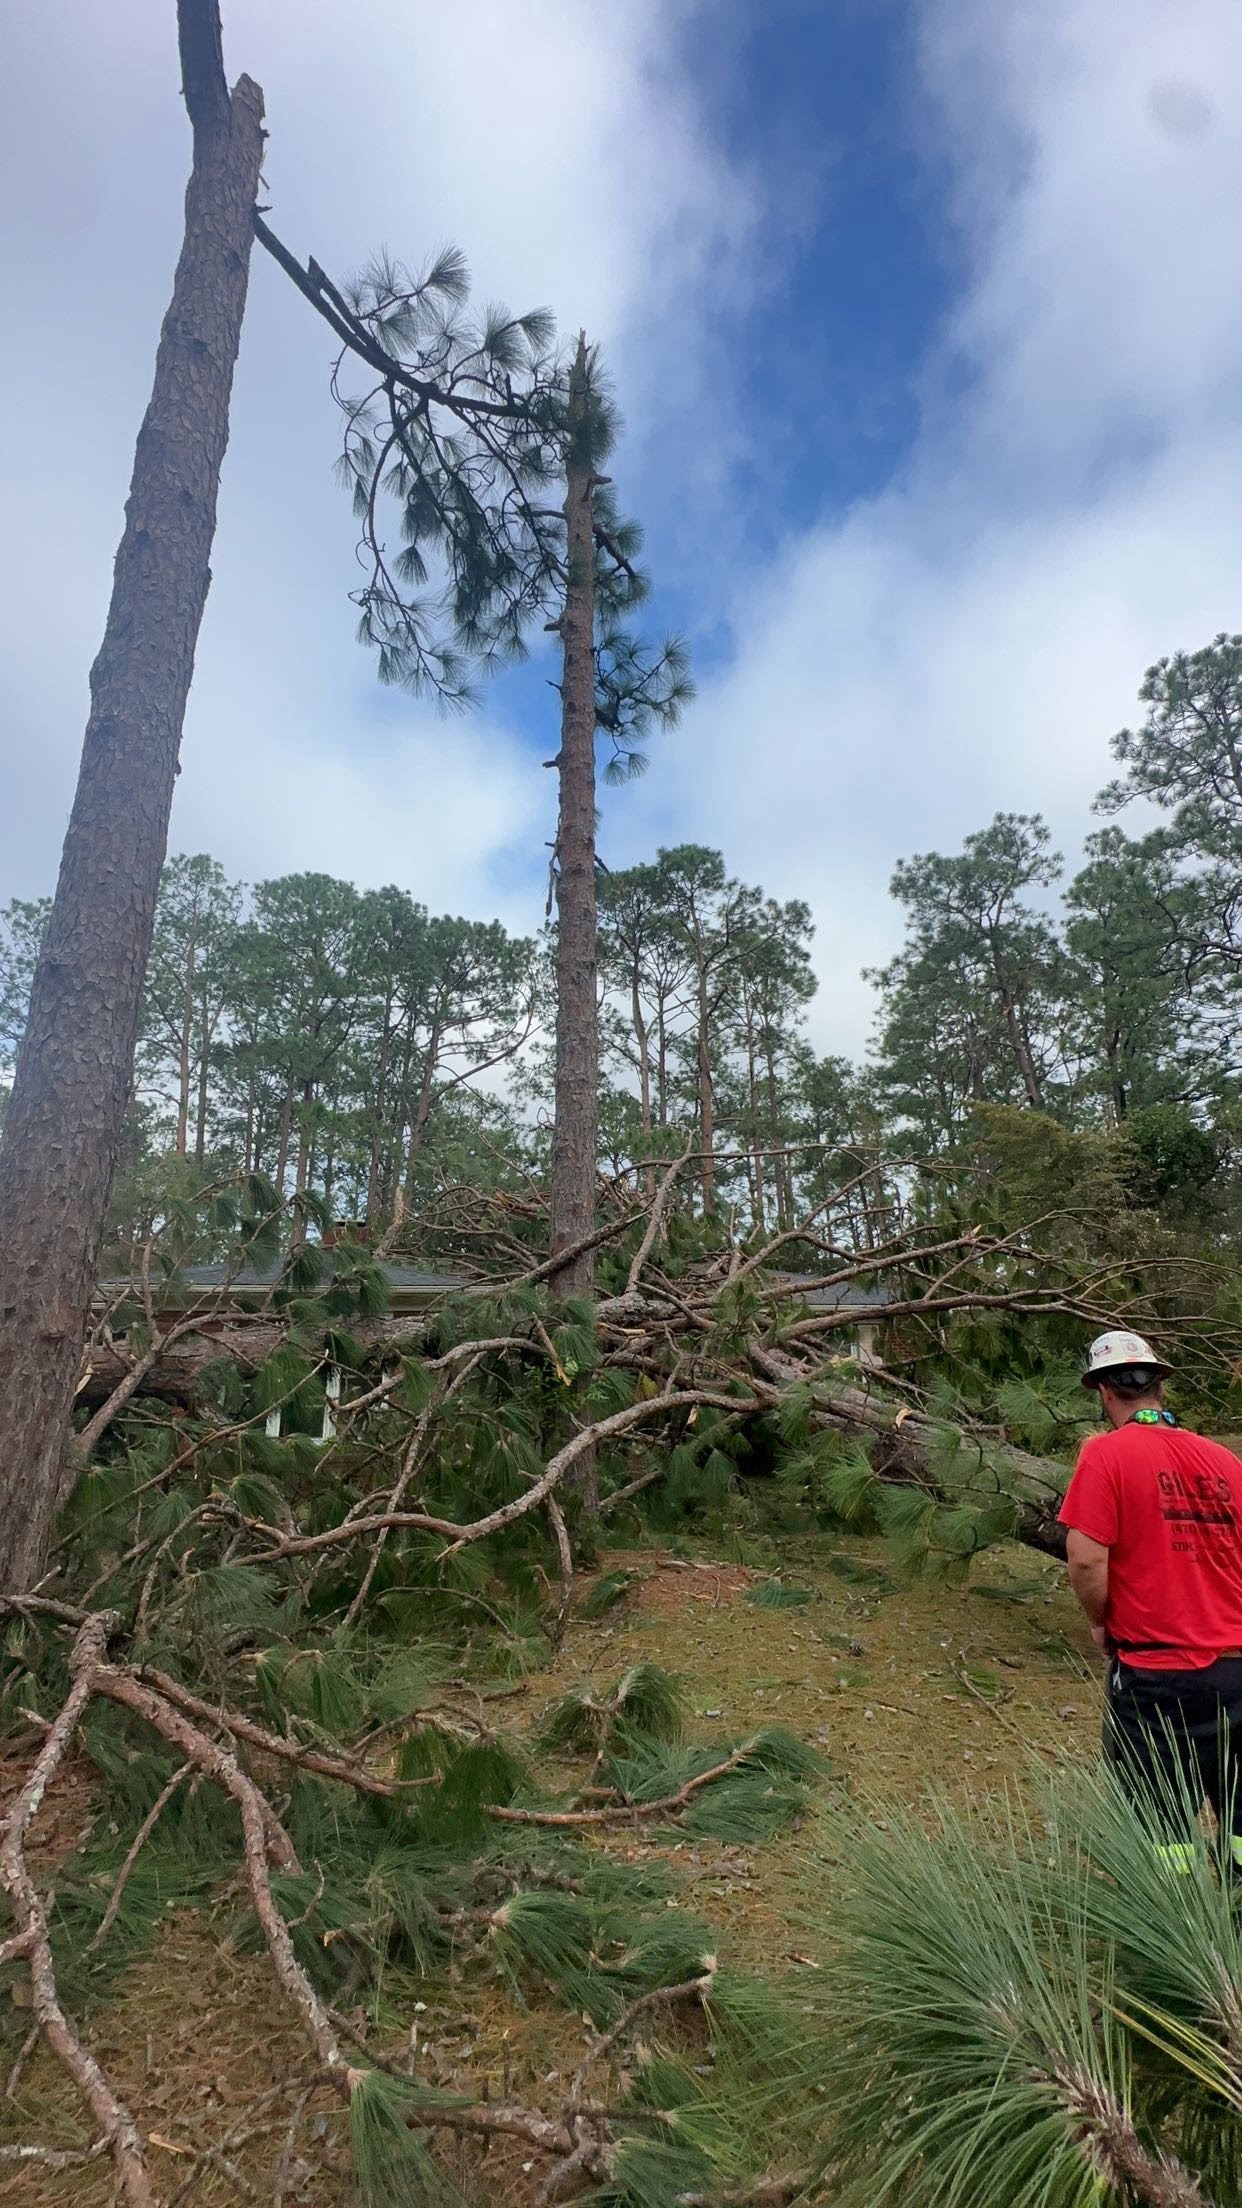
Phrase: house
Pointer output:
(410, 1290)
(870, 1304)
(245, 1287)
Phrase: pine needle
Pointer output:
(392, 2167)
(861, 1574)
(645, 1705)
(607, 1592)
(745, 1809)
(780, 1594)
(478, 1775)
(552, 1937)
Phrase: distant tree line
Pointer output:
(357, 1048)
(1125, 1001)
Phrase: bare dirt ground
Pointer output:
(963, 1688)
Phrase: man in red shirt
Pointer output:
(1155, 1558)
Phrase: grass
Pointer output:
(870, 1674)
(872, 1679)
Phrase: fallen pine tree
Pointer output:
(273, 1609)
(723, 1341)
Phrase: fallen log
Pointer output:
(910, 1441)
(907, 1441)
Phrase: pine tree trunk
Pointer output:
(1116, 1079)
(284, 1131)
(65, 1116)
(782, 1171)
(183, 1055)
(306, 1122)
(1019, 1039)
(391, 1188)
(758, 1189)
(374, 1163)
(572, 1186)
(707, 1102)
(200, 1128)
(1030, 1077)
(643, 1041)
(371, 1202)
(422, 1112)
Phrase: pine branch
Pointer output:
(53, 2158)
(495, 2119)
(627, 1812)
(32, 1940)
(263, 1837)
(410, 1464)
(697, 1988)
(1151, 2180)
(770, 2192)
(655, 1221)
(557, 1470)
(271, 1744)
(327, 301)
(560, 1536)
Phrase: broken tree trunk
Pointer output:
(73, 1074)
(908, 1442)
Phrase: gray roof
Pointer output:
(840, 1295)
(262, 1276)
(410, 1281)
(402, 1279)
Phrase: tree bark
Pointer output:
(204, 1087)
(1116, 1081)
(758, 1189)
(572, 1184)
(422, 1110)
(252, 1154)
(1019, 1041)
(306, 1123)
(781, 1166)
(374, 1163)
(643, 1040)
(283, 1134)
(707, 1101)
(72, 1081)
(183, 1053)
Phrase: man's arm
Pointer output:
(1088, 1571)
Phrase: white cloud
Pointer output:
(559, 145)
(966, 640)
(1105, 306)
(970, 639)
(447, 811)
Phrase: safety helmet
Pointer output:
(1120, 1352)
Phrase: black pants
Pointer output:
(1179, 1733)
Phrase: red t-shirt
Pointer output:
(1168, 1507)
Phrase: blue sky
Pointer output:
(827, 96)
(925, 317)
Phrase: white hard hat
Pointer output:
(1111, 1352)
